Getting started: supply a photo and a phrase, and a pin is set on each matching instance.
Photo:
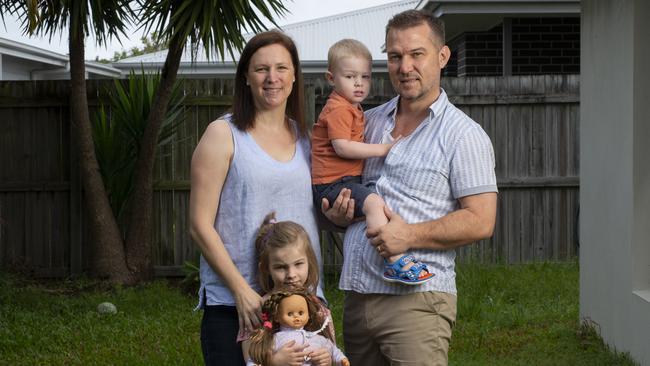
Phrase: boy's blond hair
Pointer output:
(346, 48)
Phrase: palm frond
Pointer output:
(118, 128)
(216, 25)
(104, 19)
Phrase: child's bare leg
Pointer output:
(373, 208)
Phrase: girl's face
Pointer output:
(293, 312)
(288, 266)
(270, 76)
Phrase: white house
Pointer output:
(465, 20)
(615, 173)
(479, 19)
(20, 61)
(313, 38)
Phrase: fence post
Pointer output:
(310, 102)
(76, 203)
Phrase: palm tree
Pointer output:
(216, 24)
(105, 20)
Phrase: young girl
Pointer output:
(292, 315)
(286, 260)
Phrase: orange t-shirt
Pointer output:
(338, 120)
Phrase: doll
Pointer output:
(291, 315)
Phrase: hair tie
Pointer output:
(269, 232)
(267, 324)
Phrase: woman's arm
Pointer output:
(210, 164)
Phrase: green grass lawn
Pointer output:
(507, 315)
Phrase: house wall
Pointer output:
(539, 46)
(545, 46)
(480, 53)
(615, 174)
(18, 69)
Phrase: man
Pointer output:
(439, 181)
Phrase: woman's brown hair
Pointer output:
(243, 107)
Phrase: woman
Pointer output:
(249, 163)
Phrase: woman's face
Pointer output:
(270, 76)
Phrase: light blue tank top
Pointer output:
(257, 184)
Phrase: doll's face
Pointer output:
(293, 312)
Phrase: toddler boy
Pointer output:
(338, 150)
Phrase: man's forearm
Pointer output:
(464, 226)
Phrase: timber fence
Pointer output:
(532, 121)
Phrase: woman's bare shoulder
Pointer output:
(216, 140)
(217, 131)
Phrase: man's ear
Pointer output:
(330, 77)
(443, 56)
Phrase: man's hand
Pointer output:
(392, 238)
(342, 211)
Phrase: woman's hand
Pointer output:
(290, 354)
(341, 212)
(320, 357)
(249, 308)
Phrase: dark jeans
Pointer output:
(331, 191)
(219, 329)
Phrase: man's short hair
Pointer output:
(413, 18)
(346, 48)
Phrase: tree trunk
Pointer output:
(140, 223)
(108, 247)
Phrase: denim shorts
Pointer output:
(331, 190)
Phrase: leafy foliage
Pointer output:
(214, 24)
(118, 128)
(105, 19)
(149, 45)
(192, 279)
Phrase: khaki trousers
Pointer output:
(412, 329)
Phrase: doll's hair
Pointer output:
(273, 235)
(261, 341)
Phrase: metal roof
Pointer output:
(58, 65)
(313, 39)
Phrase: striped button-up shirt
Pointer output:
(448, 156)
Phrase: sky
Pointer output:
(301, 10)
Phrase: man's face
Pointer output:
(414, 62)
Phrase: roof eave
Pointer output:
(480, 15)
(31, 53)
(226, 68)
